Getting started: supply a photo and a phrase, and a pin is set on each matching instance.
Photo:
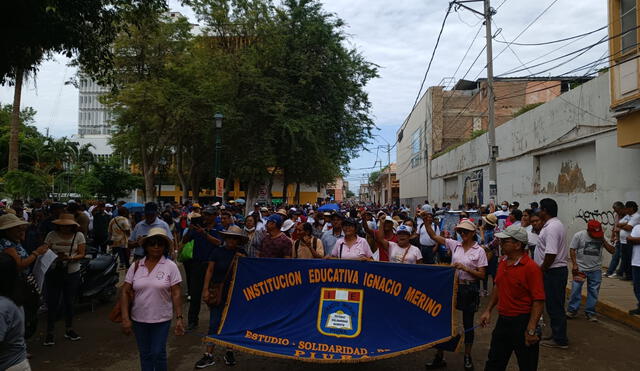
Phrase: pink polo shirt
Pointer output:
(358, 250)
(473, 258)
(152, 301)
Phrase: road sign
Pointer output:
(219, 187)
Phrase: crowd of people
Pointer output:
(525, 252)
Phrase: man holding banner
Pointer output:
(520, 299)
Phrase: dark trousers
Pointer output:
(198, 271)
(428, 257)
(123, 255)
(626, 251)
(555, 286)
(636, 283)
(57, 287)
(187, 273)
(508, 337)
(152, 344)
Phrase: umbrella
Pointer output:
(133, 206)
(240, 201)
(329, 207)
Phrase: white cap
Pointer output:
(427, 208)
(287, 225)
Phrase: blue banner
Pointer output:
(337, 310)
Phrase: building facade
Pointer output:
(443, 119)
(624, 52)
(93, 117)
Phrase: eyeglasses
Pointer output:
(464, 231)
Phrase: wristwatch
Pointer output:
(531, 332)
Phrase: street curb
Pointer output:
(614, 312)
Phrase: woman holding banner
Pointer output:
(216, 286)
(470, 261)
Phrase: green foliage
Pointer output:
(350, 194)
(82, 28)
(23, 184)
(477, 133)
(373, 177)
(527, 108)
(108, 180)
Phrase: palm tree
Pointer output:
(14, 151)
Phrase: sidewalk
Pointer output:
(615, 300)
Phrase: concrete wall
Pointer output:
(565, 149)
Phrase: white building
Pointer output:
(93, 117)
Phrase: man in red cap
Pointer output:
(586, 258)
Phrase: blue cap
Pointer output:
(276, 219)
(404, 229)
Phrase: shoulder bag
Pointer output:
(116, 313)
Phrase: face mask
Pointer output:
(504, 207)
(249, 229)
(321, 221)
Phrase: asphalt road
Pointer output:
(602, 346)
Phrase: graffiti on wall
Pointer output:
(472, 191)
(606, 218)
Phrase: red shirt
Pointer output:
(383, 251)
(519, 285)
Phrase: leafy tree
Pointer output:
(108, 180)
(23, 184)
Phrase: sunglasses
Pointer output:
(464, 231)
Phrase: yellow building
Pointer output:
(624, 54)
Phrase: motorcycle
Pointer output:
(99, 276)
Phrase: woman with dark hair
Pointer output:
(13, 349)
(63, 278)
(307, 246)
(120, 230)
(155, 282)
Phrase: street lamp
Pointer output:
(218, 118)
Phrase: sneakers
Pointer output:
(205, 361)
(229, 358)
(613, 275)
(571, 315)
(48, 340)
(71, 335)
(468, 362)
(438, 362)
(553, 344)
(591, 317)
(635, 312)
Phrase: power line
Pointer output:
(554, 41)
(433, 54)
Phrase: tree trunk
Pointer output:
(250, 197)
(149, 185)
(298, 193)
(270, 184)
(184, 184)
(195, 183)
(285, 186)
(14, 150)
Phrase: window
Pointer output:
(416, 147)
(628, 25)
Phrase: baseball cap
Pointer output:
(466, 224)
(427, 208)
(514, 232)
(404, 229)
(276, 218)
(594, 228)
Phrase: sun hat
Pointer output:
(282, 212)
(515, 232)
(466, 224)
(235, 231)
(404, 229)
(9, 221)
(66, 219)
(154, 232)
(490, 219)
(264, 209)
(594, 228)
(287, 225)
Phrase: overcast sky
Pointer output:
(399, 37)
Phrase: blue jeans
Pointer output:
(636, 282)
(615, 260)
(152, 344)
(555, 285)
(594, 278)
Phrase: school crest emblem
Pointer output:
(340, 312)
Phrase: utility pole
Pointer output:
(493, 148)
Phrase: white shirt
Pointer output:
(533, 237)
(552, 240)
(425, 240)
(631, 220)
(635, 259)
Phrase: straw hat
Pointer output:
(466, 224)
(9, 221)
(157, 231)
(282, 212)
(66, 219)
(235, 231)
(491, 219)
